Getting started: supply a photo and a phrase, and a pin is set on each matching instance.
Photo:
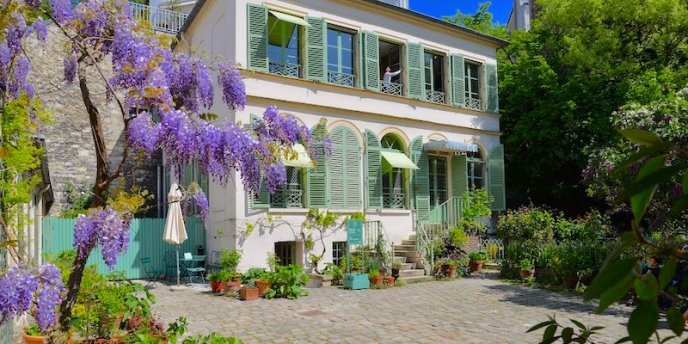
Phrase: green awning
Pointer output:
(391, 159)
(290, 18)
(301, 160)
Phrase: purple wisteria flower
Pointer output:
(104, 227)
(17, 288)
(233, 88)
(202, 205)
(62, 10)
(48, 296)
(70, 65)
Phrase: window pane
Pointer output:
(347, 60)
(332, 56)
(347, 40)
(332, 37)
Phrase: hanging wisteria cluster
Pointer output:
(103, 227)
(22, 285)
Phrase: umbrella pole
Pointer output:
(178, 273)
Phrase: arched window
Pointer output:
(393, 186)
(476, 170)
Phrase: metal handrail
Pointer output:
(433, 224)
(394, 200)
(434, 96)
(288, 69)
(473, 103)
(161, 20)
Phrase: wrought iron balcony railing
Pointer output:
(291, 196)
(473, 103)
(284, 69)
(391, 88)
(434, 96)
(343, 79)
(394, 200)
(161, 20)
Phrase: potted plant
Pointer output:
(229, 259)
(218, 280)
(396, 268)
(477, 259)
(264, 282)
(34, 335)
(234, 282)
(375, 277)
(527, 269)
(249, 292)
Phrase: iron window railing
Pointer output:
(393, 200)
(160, 19)
(343, 79)
(473, 103)
(290, 197)
(288, 69)
(391, 88)
(434, 96)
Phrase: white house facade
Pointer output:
(403, 145)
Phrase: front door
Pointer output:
(438, 180)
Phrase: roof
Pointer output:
(199, 5)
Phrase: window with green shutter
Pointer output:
(393, 185)
(284, 45)
(476, 170)
(415, 74)
(316, 50)
(433, 67)
(340, 57)
(318, 190)
(497, 186)
(371, 61)
(472, 85)
(373, 167)
(257, 40)
(345, 169)
(289, 195)
(491, 88)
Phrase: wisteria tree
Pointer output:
(137, 70)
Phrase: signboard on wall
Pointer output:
(354, 232)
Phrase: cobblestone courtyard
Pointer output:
(469, 310)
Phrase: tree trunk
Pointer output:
(99, 190)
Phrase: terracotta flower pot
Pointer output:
(34, 339)
(233, 285)
(389, 281)
(217, 286)
(570, 282)
(449, 271)
(247, 294)
(476, 265)
(527, 273)
(263, 287)
(377, 280)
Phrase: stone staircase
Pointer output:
(412, 268)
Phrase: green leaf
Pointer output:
(596, 328)
(642, 153)
(675, 320)
(540, 325)
(646, 287)
(668, 272)
(643, 321)
(615, 292)
(623, 340)
(657, 177)
(640, 201)
(641, 137)
(578, 323)
(566, 334)
(612, 274)
(667, 339)
(549, 332)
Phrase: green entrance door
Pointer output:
(438, 182)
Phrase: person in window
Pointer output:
(387, 79)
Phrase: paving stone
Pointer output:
(472, 310)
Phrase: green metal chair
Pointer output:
(152, 274)
(191, 270)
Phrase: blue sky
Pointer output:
(438, 8)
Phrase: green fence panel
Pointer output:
(145, 242)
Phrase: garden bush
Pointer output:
(527, 223)
(287, 282)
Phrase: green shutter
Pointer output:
(371, 61)
(188, 176)
(491, 88)
(373, 163)
(422, 186)
(459, 176)
(316, 49)
(318, 194)
(257, 18)
(497, 186)
(458, 80)
(202, 179)
(260, 199)
(416, 149)
(415, 75)
(345, 170)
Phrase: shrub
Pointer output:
(229, 259)
(252, 275)
(458, 237)
(527, 223)
(287, 282)
(479, 255)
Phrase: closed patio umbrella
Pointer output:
(175, 231)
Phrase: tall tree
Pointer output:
(480, 21)
(560, 82)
